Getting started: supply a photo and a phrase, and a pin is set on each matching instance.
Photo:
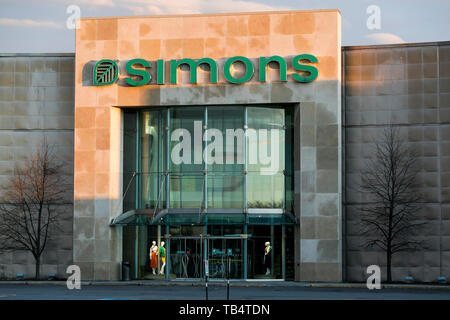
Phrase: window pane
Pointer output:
(225, 190)
(268, 118)
(265, 140)
(182, 123)
(186, 176)
(225, 172)
(265, 191)
(265, 157)
(153, 190)
(186, 191)
(129, 160)
(151, 169)
(227, 150)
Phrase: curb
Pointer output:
(284, 284)
(383, 286)
(143, 283)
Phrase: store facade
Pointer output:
(117, 140)
(214, 134)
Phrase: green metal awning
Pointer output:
(200, 217)
(133, 218)
(270, 219)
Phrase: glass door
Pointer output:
(225, 254)
(186, 257)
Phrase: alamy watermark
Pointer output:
(74, 280)
(374, 20)
(73, 21)
(263, 147)
(374, 280)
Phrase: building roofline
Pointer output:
(211, 14)
(397, 45)
(64, 54)
(344, 48)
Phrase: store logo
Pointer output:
(106, 71)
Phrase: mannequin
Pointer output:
(162, 255)
(153, 258)
(268, 257)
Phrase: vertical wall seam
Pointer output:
(439, 157)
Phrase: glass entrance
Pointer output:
(225, 254)
(227, 247)
(186, 257)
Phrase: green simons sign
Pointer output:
(107, 71)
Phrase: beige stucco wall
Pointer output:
(97, 149)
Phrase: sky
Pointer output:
(40, 26)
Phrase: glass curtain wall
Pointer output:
(210, 164)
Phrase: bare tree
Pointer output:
(388, 219)
(29, 212)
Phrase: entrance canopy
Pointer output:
(200, 217)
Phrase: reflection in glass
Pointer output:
(129, 161)
(151, 163)
(266, 157)
(265, 191)
(186, 191)
(225, 190)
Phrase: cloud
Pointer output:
(196, 6)
(384, 38)
(28, 23)
(53, 3)
(99, 3)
